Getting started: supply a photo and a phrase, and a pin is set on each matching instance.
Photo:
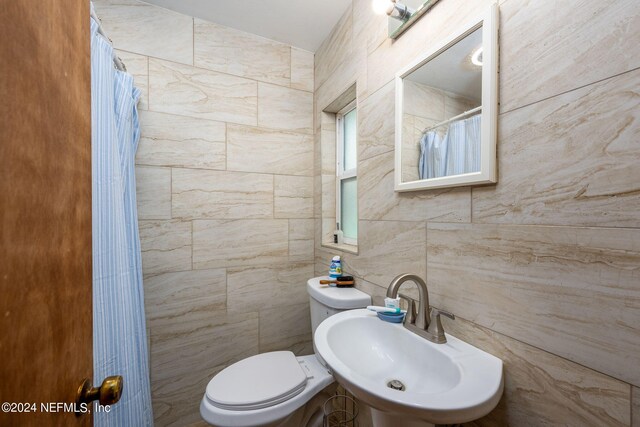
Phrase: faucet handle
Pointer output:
(411, 309)
(435, 325)
(438, 312)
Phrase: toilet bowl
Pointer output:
(278, 388)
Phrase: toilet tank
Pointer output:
(325, 301)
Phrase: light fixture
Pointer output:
(476, 57)
(392, 8)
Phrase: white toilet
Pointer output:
(271, 389)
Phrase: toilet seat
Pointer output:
(257, 382)
(270, 409)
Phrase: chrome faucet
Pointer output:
(426, 322)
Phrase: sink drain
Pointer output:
(396, 385)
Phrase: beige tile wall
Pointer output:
(425, 106)
(543, 269)
(635, 411)
(225, 195)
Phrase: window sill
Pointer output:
(352, 249)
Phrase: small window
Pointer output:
(347, 173)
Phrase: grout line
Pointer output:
(295, 132)
(567, 91)
(631, 393)
(265, 128)
(253, 79)
(193, 41)
(540, 349)
(222, 170)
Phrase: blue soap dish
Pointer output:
(391, 317)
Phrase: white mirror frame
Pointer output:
(489, 122)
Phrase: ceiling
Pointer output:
(300, 23)
(452, 70)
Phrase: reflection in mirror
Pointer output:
(447, 111)
(442, 109)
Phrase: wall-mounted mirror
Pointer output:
(446, 111)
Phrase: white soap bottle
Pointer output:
(338, 235)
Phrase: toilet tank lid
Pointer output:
(334, 297)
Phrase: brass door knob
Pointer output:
(107, 394)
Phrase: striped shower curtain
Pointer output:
(457, 153)
(119, 331)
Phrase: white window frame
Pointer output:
(342, 174)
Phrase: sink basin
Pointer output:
(443, 383)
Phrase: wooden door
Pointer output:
(45, 207)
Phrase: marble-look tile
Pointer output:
(317, 196)
(181, 341)
(196, 92)
(146, 29)
(571, 291)
(166, 246)
(301, 69)
(301, 250)
(186, 353)
(170, 295)
(386, 249)
(376, 123)
(376, 292)
(423, 101)
(328, 143)
(328, 196)
(231, 51)
(176, 400)
(239, 243)
(570, 160)
(283, 329)
(378, 201)
(181, 141)
(369, 28)
(301, 239)
(583, 43)
(260, 288)
(284, 108)
(138, 67)
(335, 50)
(293, 196)
(198, 193)
(635, 407)
(153, 192)
(252, 149)
(543, 389)
(341, 85)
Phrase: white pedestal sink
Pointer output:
(442, 383)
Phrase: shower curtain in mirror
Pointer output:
(119, 331)
(457, 153)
